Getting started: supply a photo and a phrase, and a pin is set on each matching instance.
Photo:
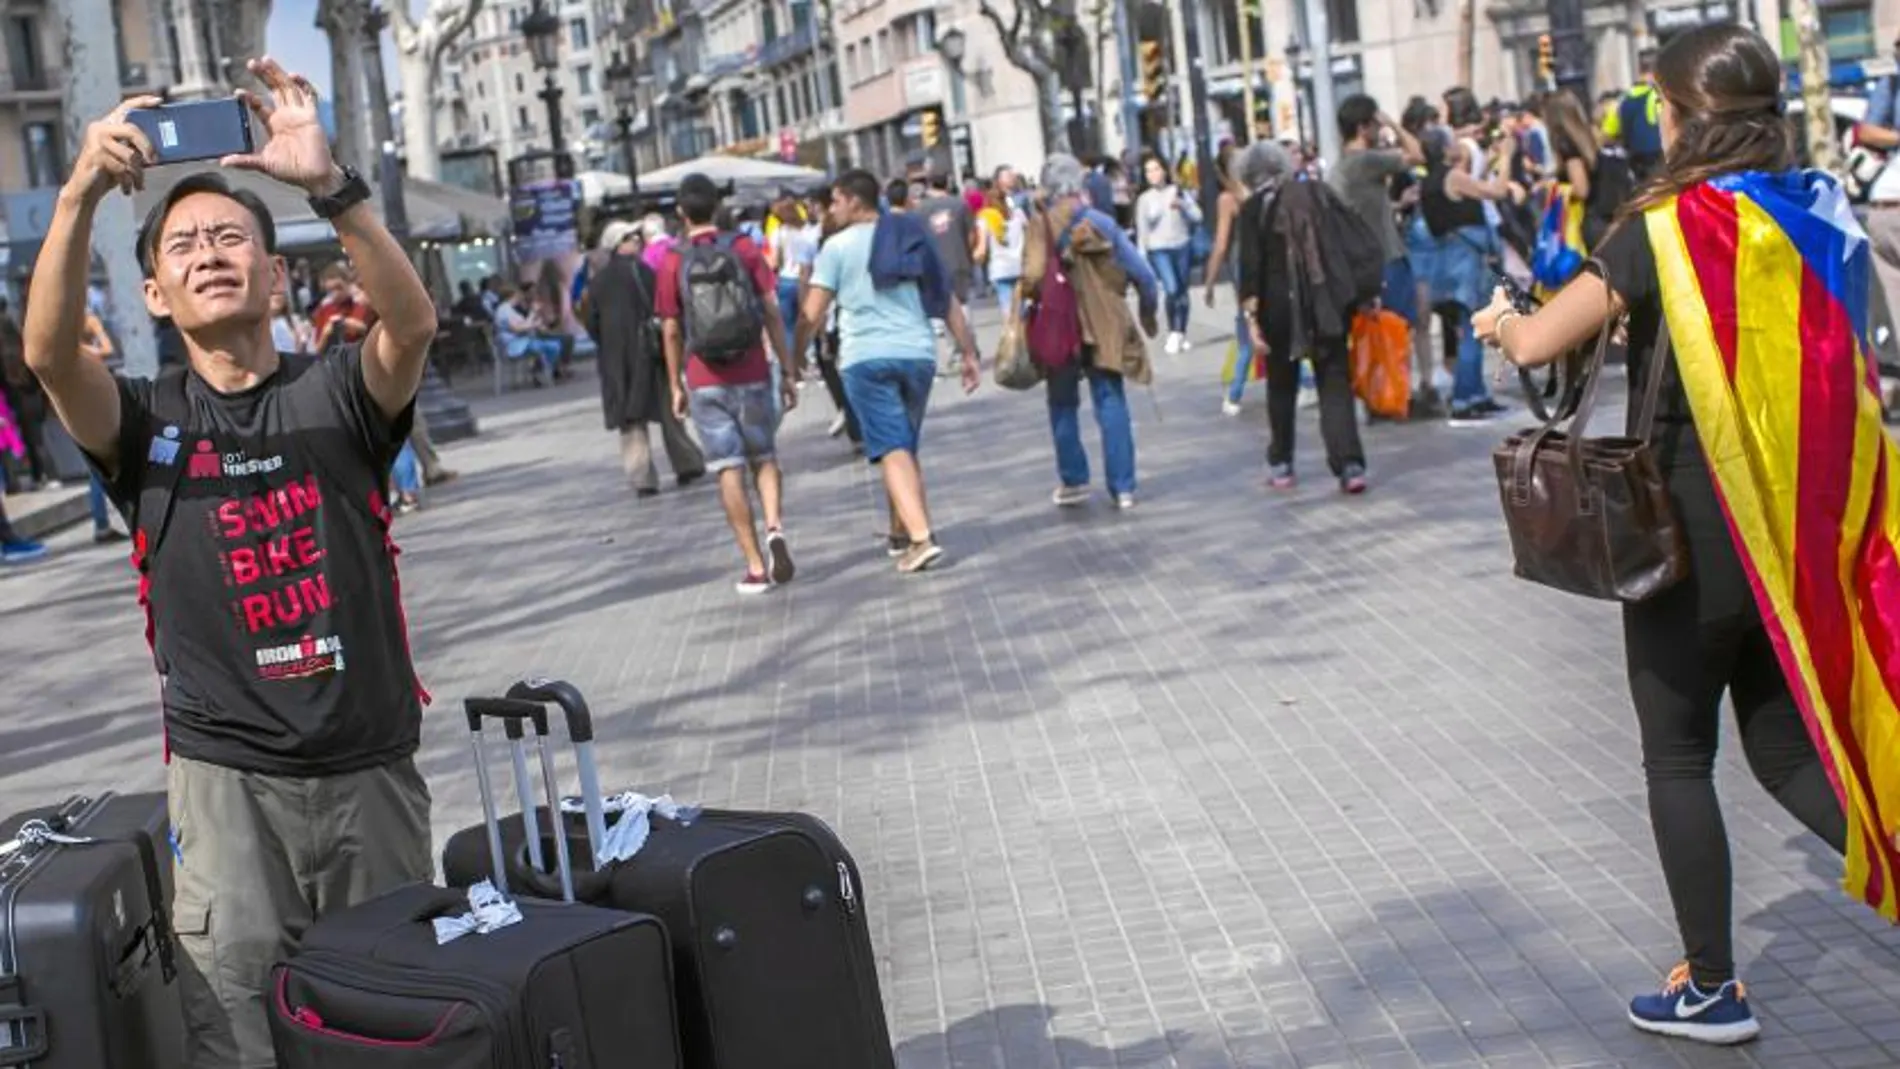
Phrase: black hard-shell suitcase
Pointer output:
(773, 962)
(87, 975)
(569, 986)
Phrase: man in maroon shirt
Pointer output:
(715, 297)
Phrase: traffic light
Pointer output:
(1546, 59)
(1154, 75)
(933, 128)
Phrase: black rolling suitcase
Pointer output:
(773, 964)
(567, 987)
(87, 977)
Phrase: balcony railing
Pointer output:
(39, 81)
(789, 47)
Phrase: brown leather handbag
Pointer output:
(1591, 516)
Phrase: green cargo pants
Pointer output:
(260, 857)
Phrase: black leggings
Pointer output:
(1338, 415)
(1679, 666)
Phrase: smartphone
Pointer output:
(196, 130)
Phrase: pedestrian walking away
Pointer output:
(1290, 276)
(1746, 621)
(621, 318)
(884, 274)
(716, 298)
(254, 481)
(1082, 245)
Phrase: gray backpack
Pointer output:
(719, 308)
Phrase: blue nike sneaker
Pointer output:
(1686, 1011)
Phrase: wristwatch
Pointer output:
(354, 191)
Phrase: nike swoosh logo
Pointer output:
(1686, 1010)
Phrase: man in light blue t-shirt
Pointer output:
(887, 355)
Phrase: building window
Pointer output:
(882, 50)
(924, 29)
(584, 79)
(24, 57)
(521, 117)
(590, 117)
(851, 63)
(1849, 32)
(521, 84)
(45, 156)
(514, 18)
(484, 122)
(1342, 20)
(784, 113)
(577, 33)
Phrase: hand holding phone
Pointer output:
(196, 130)
(113, 155)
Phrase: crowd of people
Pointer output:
(708, 327)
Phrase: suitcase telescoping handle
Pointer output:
(513, 713)
(580, 729)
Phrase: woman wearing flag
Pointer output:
(1787, 488)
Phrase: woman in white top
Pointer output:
(1004, 228)
(1165, 218)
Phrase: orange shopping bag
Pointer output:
(1382, 362)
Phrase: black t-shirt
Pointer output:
(272, 588)
(1717, 582)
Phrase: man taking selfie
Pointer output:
(253, 481)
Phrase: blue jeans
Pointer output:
(1467, 378)
(547, 349)
(1111, 412)
(96, 501)
(407, 473)
(889, 398)
(1400, 293)
(1243, 364)
(1171, 270)
(1005, 292)
(788, 306)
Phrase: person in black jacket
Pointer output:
(1291, 320)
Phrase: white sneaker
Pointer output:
(1069, 497)
(1173, 345)
(1185, 343)
(836, 428)
(1229, 408)
(1124, 501)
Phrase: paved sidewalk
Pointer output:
(1235, 779)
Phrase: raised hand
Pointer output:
(115, 153)
(297, 151)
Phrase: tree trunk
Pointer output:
(1055, 132)
(1816, 98)
(342, 22)
(1467, 40)
(420, 140)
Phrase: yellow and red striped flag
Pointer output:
(1765, 282)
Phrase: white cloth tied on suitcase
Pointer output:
(39, 833)
(488, 910)
(629, 833)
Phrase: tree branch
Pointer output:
(1027, 57)
(456, 25)
(402, 27)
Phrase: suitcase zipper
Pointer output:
(492, 1001)
(847, 893)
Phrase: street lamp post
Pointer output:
(621, 84)
(542, 28)
(1293, 51)
(952, 46)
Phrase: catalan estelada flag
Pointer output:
(1765, 284)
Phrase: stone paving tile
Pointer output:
(1233, 780)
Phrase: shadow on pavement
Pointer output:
(1020, 1037)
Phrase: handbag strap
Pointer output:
(1662, 362)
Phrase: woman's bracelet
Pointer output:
(1497, 333)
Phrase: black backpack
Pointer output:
(719, 308)
(1612, 184)
(1352, 236)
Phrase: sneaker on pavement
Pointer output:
(1353, 479)
(920, 556)
(21, 552)
(1281, 477)
(836, 428)
(754, 584)
(1229, 407)
(1124, 501)
(1069, 497)
(897, 545)
(1683, 1010)
(1490, 407)
(778, 554)
(1468, 416)
(1173, 344)
(108, 535)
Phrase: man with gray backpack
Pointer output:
(716, 296)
